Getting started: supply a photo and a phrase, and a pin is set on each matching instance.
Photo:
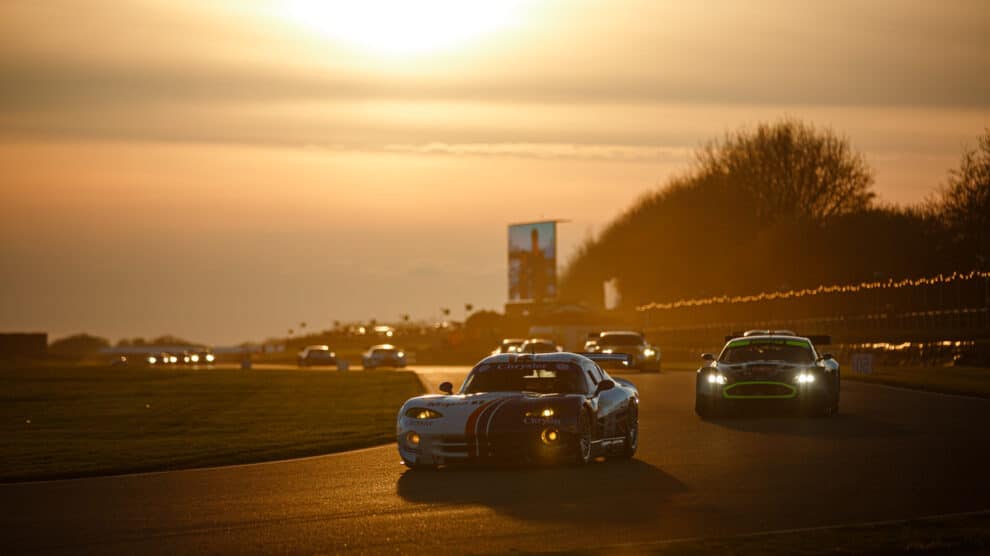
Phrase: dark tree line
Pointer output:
(783, 206)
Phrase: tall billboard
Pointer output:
(533, 261)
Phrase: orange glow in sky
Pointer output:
(224, 170)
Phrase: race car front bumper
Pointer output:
(532, 445)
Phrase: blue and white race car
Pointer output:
(522, 408)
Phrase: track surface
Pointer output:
(890, 454)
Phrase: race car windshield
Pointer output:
(562, 379)
(620, 340)
(787, 351)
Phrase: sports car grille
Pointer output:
(759, 390)
(453, 444)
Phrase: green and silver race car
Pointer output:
(769, 368)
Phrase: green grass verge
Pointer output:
(970, 381)
(963, 534)
(73, 422)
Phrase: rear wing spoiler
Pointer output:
(610, 359)
(815, 340)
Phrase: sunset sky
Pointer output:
(223, 171)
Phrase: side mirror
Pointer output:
(447, 388)
(604, 385)
(707, 357)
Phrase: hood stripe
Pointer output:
(486, 417)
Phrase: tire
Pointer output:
(706, 407)
(582, 452)
(632, 437)
(418, 466)
(835, 395)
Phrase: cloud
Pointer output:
(628, 153)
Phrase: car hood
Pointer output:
(756, 370)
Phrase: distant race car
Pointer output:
(768, 367)
(383, 355)
(316, 355)
(591, 343)
(509, 345)
(202, 357)
(641, 355)
(162, 359)
(522, 408)
(538, 345)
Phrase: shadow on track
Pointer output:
(612, 491)
(843, 425)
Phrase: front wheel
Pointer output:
(632, 437)
(706, 407)
(582, 452)
(419, 466)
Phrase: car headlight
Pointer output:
(400, 354)
(805, 378)
(649, 352)
(715, 378)
(412, 438)
(210, 357)
(152, 360)
(544, 413)
(549, 436)
(194, 358)
(422, 413)
(606, 351)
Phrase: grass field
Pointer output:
(72, 422)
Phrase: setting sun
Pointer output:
(389, 27)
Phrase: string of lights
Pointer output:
(838, 288)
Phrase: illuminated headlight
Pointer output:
(173, 359)
(422, 413)
(210, 358)
(805, 378)
(649, 352)
(194, 358)
(606, 351)
(716, 379)
(412, 438)
(152, 360)
(400, 354)
(544, 413)
(549, 436)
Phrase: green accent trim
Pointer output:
(737, 343)
(726, 395)
(798, 343)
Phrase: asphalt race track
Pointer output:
(890, 454)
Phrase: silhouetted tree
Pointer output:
(78, 347)
(749, 216)
(962, 206)
(792, 170)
